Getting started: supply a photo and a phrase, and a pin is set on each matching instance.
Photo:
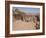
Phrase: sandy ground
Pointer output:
(21, 25)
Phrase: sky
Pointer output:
(28, 10)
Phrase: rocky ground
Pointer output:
(22, 25)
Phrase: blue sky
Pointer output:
(28, 10)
